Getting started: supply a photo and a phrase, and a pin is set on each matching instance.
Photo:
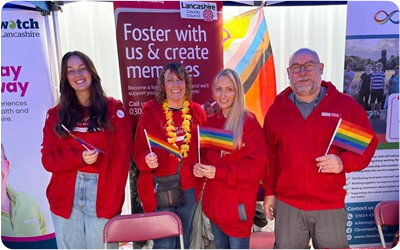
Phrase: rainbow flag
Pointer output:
(248, 51)
(216, 138)
(82, 142)
(158, 143)
(352, 137)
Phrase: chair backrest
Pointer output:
(140, 227)
(387, 213)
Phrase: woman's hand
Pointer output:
(207, 171)
(89, 157)
(197, 171)
(151, 160)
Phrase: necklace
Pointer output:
(171, 131)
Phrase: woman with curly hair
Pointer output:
(173, 118)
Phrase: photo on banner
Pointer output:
(25, 98)
(371, 78)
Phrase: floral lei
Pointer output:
(171, 131)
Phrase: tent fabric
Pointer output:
(29, 5)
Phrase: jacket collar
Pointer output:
(284, 102)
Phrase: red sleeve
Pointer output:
(355, 162)
(140, 146)
(57, 156)
(271, 150)
(198, 114)
(151, 121)
(122, 146)
(248, 170)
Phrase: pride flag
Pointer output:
(158, 143)
(247, 50)
(352, 137)
(216, 138)
(86, 145)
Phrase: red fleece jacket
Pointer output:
(293, 144)
(63, 158)
(237, 178)
(153, 120)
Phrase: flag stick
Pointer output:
(330, 143)
(82, 142)
(148, 142)
(198, 142)
(85, 147)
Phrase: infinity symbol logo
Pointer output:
(387, 18)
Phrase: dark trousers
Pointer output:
(364, 98)
(224, 241)
(185, 213)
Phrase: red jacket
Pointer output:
(293, 144)
(153, 120)
(237, 178)
(63, 158)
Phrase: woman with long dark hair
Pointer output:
(89, 173)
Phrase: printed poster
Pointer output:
(25, 98)
(371, 78)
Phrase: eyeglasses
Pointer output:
(296, 68)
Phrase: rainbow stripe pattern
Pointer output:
(352, 137)
(158, 143)
(216, 138)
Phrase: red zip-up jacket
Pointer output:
(63, 158)
(237, 178)
(154, 121)
(293, 144)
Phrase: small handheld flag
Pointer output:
(158, 143)
(82, 142)
(352, 137)
(216, 138)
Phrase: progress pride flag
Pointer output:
(151, 34)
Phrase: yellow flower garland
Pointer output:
(171, 131)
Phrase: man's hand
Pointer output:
(330, 164)
(269, 202)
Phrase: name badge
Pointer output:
(330, 114)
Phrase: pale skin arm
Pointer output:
(269, 202)
(330, 164)
(89, 157)
(151, 160)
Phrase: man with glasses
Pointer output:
(20, 214)
(304, 184)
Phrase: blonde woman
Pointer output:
(229, 198)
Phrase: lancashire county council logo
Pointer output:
(206, 11)
(208, 15)
(386, 17)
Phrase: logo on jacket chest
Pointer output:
(328, 114)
